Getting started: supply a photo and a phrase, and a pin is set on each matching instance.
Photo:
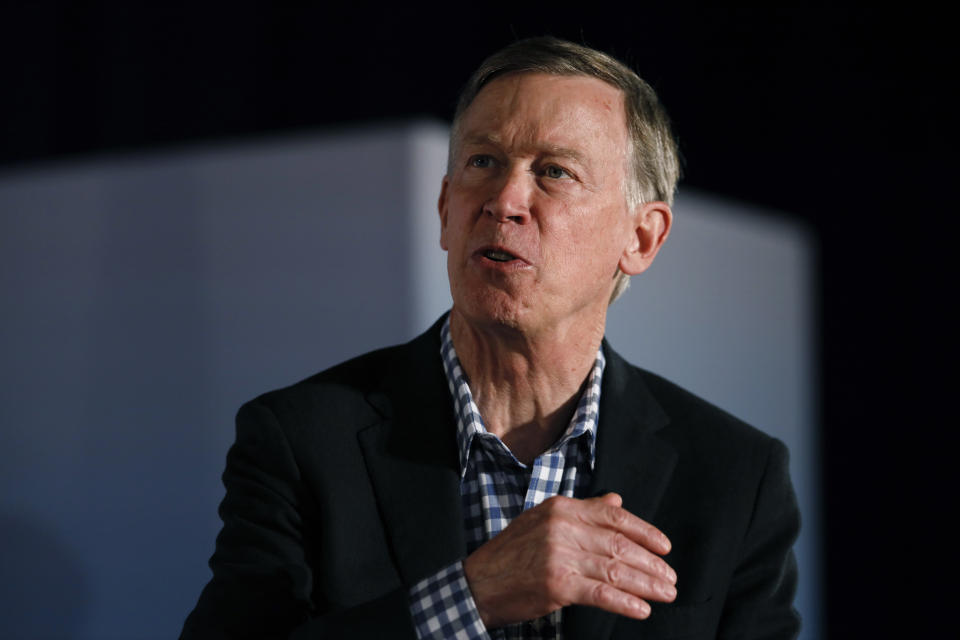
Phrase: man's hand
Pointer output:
(568, 551)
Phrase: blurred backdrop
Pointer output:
(136, 141)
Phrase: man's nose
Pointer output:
(511, 200)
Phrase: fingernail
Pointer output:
(669, 591)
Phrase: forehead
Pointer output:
(537, 108)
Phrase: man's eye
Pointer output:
(481, 162)
(555, 172)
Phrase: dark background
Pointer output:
(836, 116)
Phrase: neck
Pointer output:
(526, 386)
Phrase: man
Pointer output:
(507, 474)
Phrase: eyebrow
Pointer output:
(546, 148)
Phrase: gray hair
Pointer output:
(652, 151)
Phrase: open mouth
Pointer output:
(499, 256)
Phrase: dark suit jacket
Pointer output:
(342, 491)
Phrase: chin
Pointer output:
(492, 309)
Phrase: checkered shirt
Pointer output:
(494, 488)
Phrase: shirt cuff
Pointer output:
(443, 607)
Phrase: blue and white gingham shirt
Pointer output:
(494, 488)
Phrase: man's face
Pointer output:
(533, 211)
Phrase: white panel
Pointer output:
(429, 163)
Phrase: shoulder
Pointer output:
(346, 383)
(693, 425)
(693, 412)
(352, 392)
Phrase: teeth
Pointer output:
(499, 256)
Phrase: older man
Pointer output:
(507, 474)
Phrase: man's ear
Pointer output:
(442, 208)
(651, 226)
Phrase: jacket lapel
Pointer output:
(411, 458)
(631, 460)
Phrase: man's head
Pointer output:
(653, 168)
(536, 209)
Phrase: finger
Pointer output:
(628, 579)
(602, 513)
(596, 593)
(615, 545)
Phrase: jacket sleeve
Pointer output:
(263, 581)
(759, 604)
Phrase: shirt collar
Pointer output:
(469, 422)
